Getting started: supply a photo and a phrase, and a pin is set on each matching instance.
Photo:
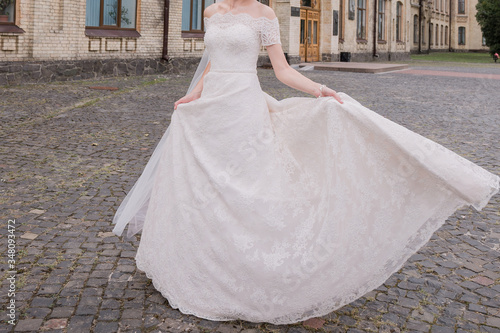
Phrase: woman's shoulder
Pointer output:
(211, 10)
(266, 11)
(258, 10)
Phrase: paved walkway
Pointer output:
(69, 154)
(358, 67)
(451, 74)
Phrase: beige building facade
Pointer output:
(120, 35)
(442, 25)
(59, 30)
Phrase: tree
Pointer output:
(3, 6)
(488, 17)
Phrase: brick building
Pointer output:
(68, 39)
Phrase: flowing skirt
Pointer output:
(279, 211)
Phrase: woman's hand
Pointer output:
(194, 95)
(294, 79)
(326, 92)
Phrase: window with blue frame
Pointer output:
(111, 14)
(192, 14)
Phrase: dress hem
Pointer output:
(423, 235)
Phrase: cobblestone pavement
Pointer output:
(69, 154)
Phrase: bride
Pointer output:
(279, 211)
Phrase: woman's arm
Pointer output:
(294, 79)
(196, 92)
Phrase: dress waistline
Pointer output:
(251, 71)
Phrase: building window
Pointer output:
(7, 11)
(423, 33)
(461, 35)
(361, 28)
(431, 30)
(192, 14)
(437, 34)
(111, 14)
(399, 20)
(341, 19)
(442, 32)
(446, 35)
(381, 20)
(415, 29)
(484, 41)
(461, 6)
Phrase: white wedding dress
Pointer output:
(278, 211)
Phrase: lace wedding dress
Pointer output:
(278, 211)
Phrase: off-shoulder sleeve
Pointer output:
(270, 32)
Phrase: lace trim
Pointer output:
(241, 14)
(267, 28)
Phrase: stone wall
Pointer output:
(12, 73)
(48, 71)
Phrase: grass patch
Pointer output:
(152, 82)
(87, 103)
(467, 57)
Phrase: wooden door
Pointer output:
(303, 32)
(309, 35)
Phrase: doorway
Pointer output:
(309, 35)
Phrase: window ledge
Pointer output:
(111, 33)
(362, 41)
(11, 28)
(186, 34)
(380, 41)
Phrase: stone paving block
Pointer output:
(67, 301)
(49, 289)
(423, 315)
(27, 325)
(109, 314)
(347, 320)
(32, 312)
(54, 324)
(408, 302)
(83, 310)
(487, 292)
(446, 321)
(62, 312)
(489, 329)
(106, 327)
(418, 326)
(43, 302)
(442, 329)
(80, 323)
(131, 314)
(477, 308)
(474, 317)
(493, 321)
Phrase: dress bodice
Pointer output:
(233, 41)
